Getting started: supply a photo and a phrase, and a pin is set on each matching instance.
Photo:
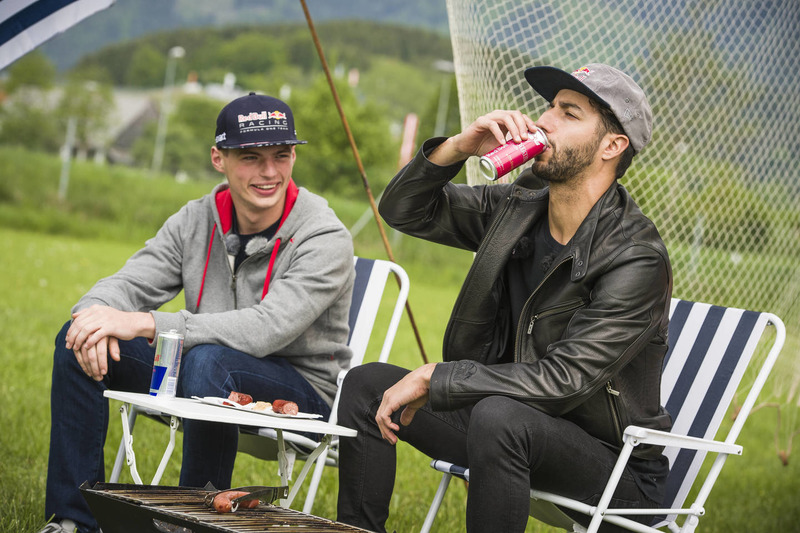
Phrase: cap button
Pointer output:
(252, 93)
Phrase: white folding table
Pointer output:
(178, 408)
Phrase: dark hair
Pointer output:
(610, 124)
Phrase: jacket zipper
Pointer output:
(528, 302)
(612, 395)
(563, 308)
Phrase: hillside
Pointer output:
(126, 20)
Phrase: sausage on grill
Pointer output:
(223, 502)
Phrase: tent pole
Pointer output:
(360, 165)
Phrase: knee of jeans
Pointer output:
(63, 358)
(359, 387)
(201, 373)
(491, 416)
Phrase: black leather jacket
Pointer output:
(590, 343)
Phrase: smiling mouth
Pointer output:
(267, 187)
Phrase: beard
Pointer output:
(567, 164)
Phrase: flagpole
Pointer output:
(360, 165)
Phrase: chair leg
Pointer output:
(313, 485)
(120, 459)
(436, 503)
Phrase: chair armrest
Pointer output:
(663, 438)
(340, 378)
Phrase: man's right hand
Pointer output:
(94, 359)
(483, 135)
(94, 333)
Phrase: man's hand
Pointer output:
(486, 133)
(94, 333)
(411, 392)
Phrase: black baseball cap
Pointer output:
(255, 120)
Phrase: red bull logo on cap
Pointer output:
(264, 115)
(581, 73)
(265, 120)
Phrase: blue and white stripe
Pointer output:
(25, 24)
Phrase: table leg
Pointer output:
(323, 445)
(130, 457)
(173, 428)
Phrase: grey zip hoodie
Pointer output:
(290, 297)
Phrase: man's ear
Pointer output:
(615, 145)
(217, 159)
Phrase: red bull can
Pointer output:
(167, 364)
(507, 157)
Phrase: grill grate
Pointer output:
(121, 508)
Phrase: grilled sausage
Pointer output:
(240, 398)
(223, 502)
(285, 407)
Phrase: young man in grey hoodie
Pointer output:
(267, 272)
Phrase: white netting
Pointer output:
(721, 177)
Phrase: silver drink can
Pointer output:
(167, 364)
(507, 157)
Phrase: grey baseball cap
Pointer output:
(608, 86)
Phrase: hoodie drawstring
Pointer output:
(225, 207)
(272, 257)
(205, 270)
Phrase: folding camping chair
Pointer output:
(710, 348)
(368, 291)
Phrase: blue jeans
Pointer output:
(79, 415)
(508, 446)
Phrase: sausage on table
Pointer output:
(285, 407)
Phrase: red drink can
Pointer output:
(511, 155)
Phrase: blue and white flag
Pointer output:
(25, 24)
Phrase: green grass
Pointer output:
(44, 274)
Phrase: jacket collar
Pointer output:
(581, 242)
(224, 204)
(584, 237)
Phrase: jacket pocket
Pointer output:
(614, 409)
(550, 312)
(601, 416)
(546, 326)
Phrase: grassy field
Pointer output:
(45, 271)
(44, 274)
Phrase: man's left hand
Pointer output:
(99, 322)
(411, 392)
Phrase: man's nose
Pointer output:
(545, 121)
(267, 168)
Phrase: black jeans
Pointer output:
(508, 446)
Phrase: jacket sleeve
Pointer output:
(420, 201)
(150, 278)
(626, 311)
(320, 273)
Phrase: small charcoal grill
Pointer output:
(123, 508)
